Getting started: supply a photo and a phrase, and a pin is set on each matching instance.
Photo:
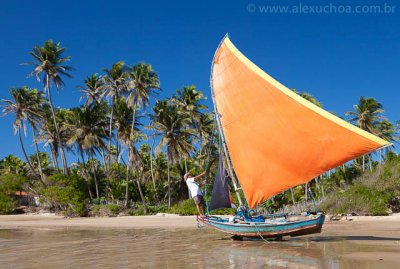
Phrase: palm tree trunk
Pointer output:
(109, 149)
(132, 144)
(104, 160)
(306, 191)
(64, 161)
(140, 188)
(370, 163)
(55, 161)
(86, 173)
(322, 187)
(38, 156)
(26, 156)
(291, 192)
(316, 184)
(119, 170)
(363, 164)
(185, 164)
(133, 122)
(151, 167)
(95, 178)
(201, 145)
(169, 184)
(127, 181)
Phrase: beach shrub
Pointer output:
(96, 201)
(114, 209)
(373, 193)
(67, 193)
(151, 210)
(12, 182)
(100, 210)
(185, 207)
(6, 204)
(139, 211)
(358, 199)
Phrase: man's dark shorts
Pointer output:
(198, 200)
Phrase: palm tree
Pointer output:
(42, 162)
(47, 133)
(386, 131)
(38, 99)
(115, 85)
(50, 62)
(205, 127)
(11, 165)
(366, 116)
(143, 83)
(188, 101)
(308, 97)
(367, 113)
(22, 105)
(92, 89)
(169, 123)
(87, 130)
(123, 122)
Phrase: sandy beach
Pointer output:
(366, 240)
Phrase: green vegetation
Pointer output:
(67, 193)
(373, 193)
(6, 204)
(131, 151)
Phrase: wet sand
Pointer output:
(127, 222)
(380, 230)
(366, 241)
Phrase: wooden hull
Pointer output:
(267, 230)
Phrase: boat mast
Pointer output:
(228, 160)
(221, 132)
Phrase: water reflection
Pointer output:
(192, 248)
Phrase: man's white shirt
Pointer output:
(193, 187)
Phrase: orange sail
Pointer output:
(277, 139)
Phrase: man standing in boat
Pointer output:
(195, 191)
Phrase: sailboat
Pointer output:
(272, 140)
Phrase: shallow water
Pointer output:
(186, 248)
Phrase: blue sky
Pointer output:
(334, 56)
